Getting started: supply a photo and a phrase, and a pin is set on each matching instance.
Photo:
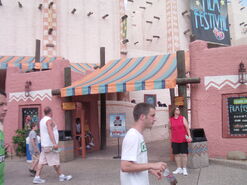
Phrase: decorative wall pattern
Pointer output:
(221, 81)
(173, 41)
(49, 28)
(34, 95)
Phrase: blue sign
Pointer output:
(117, 125)
(209, 20)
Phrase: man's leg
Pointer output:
(57, 169)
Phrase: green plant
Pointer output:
(20, 141)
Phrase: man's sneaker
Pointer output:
(38, 180)
(178, 171)
(65, 177)
(185, 172)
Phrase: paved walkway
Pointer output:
(100, 169)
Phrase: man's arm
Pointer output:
(129, 166)
(49, 125)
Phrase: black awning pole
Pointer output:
(102, 106)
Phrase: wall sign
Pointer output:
(117, 125)
(209, 20)
(235, 115)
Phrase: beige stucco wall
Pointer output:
(158, 132)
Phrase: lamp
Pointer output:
(28, 84)
(242, 73)
(19, 4)
(50, 30)
(40, 6)
(106, 15)
(73, 11)
(125, 41)
(89, 13)
(50, 4)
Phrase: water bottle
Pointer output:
(170, 177)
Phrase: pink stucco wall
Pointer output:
(207, 104)
(49, 79)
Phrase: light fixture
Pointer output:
(156, 17)
(242, 73)
(150, 22)
(142, 7)
(89, 13)
(106, 15)
(124, 17)
(187, 31)
(136, 42)
(185, 13)
(156, 36)
(50, 4)
(242, 23)
(150, 40)
(28, 84)
(50, 30)
(149, 2)
(125, 41)
(123, 52)
(73, 11)
(40, 6)
(19, 4)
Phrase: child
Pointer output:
(33, 148)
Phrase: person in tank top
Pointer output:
(180, 136)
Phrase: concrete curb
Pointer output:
(230, 163)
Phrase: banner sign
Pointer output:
(209, 20)
(237, 112)
(117, 125)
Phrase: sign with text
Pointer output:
(117, 125)
(209, 20)
(68, 105)
(179, 100)
(237, 112)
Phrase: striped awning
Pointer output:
(27, 63)
(131, 74)
(82, 67)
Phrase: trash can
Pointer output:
(28, 155)
(198, 149)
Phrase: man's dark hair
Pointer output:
(141, 108)
(3, 93)
(47, 110)
(33, 124)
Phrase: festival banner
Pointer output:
(117, 125)
(209, 20)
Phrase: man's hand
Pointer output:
(55, 147)
(161, 166)
(156, 173)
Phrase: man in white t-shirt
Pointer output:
(134, 160)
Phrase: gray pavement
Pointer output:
(100, 169)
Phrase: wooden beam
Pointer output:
(183, 81)
(102, 106)
(182, 91)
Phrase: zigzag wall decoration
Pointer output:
(34, 95)
(221, 81)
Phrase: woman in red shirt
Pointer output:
(180, 136)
